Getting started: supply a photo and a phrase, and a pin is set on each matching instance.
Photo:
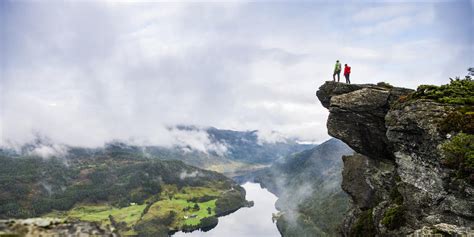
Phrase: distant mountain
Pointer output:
(225, 151)
(123, 181)
(308, 185)
(247, 147)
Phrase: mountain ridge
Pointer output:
(225, 151)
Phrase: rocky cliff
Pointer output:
(51, 227)
(398, 179)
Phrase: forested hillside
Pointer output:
(308, 185)
(119, 188)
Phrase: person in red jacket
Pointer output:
(347, 73)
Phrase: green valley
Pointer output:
(179, 209)
(121, 191)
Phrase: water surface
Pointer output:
(255, 221)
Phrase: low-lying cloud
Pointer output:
(197, 140)
(87, 73)
(48, 151)
(186, 174)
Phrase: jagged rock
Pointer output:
(413, 129)
(366, 180)
(357, 115)
(442, 229)
(49, 227)
(355, 182)
(356, 119)
(332, 89)
(398, 173)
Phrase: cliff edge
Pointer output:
(400, 178)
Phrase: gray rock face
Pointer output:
(51, 227)
(357, 118)
(355, 183)
(397, 177)
(367, 180)
(447, 229)
(331, 89)
(357, 115)
(413, 130)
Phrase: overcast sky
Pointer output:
(87, 72)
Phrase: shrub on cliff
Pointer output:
(394, 217)
(459, 155)
(385, 84)
(458, 91)
(458, 121)
(396, 196)
(364, 225)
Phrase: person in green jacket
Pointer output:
(337, 71)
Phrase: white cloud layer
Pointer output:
(186, 175)
(196, 140)
(86, 73)
(46, 151)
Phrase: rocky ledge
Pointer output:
(396, 179)
(49, 227)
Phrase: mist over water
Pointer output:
(246, 222)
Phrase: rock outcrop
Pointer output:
(50, 227)
(396, 179)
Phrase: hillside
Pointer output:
(225, 151)
(241, 151)
(121, 190)
(311, 201)
(246, 146)
(413, 170)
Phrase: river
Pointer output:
(255, 221)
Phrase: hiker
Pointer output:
(347, 73)
(337, 71)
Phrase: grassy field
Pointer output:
(202, 212)
(100, 214)
(179, 201)
(129, 215)
(172, 199)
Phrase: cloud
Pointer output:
(85, 73)
(48, 151)
(270, 137)
(197, 140)
(185, 174)
(383, 12)
(398, 21)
